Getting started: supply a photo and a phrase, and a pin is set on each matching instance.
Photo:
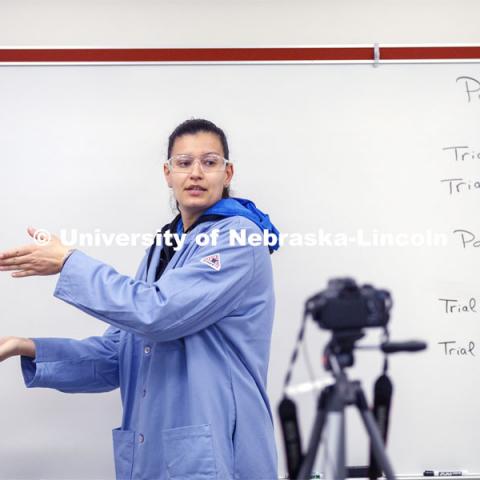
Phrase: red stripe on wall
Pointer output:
(430, 53)
(105, 55)
(184, 54)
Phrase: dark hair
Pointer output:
(193, 126)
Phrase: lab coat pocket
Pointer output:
(189, 453)
(123, 448)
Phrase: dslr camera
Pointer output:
(344, 305)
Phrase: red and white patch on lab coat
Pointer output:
(212, 261)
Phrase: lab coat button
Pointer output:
(144, 392)
(141, 438)
(147, 350)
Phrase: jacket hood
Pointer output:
(229, 207)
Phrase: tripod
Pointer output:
(331, 405)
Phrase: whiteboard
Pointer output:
(357, 154)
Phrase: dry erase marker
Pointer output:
(445, 473)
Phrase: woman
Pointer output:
(189, 337)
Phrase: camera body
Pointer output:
(344, 305)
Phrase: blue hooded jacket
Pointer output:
(189, 352)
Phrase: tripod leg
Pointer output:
(331, 411)
(334, 447)
(374, 434)
(316, 435)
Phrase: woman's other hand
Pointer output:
(11, 346)
(44, 257)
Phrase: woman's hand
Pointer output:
(45, 257)
(11, 346)
(8, 347)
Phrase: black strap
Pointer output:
(381, 410)
(287, 411)
(168, 251)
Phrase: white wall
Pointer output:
(35, 419)
(190, 23)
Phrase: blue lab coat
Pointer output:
(189, 352)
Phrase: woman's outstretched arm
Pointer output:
(65, 364)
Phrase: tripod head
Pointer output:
(342, 344)
(341, 347)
